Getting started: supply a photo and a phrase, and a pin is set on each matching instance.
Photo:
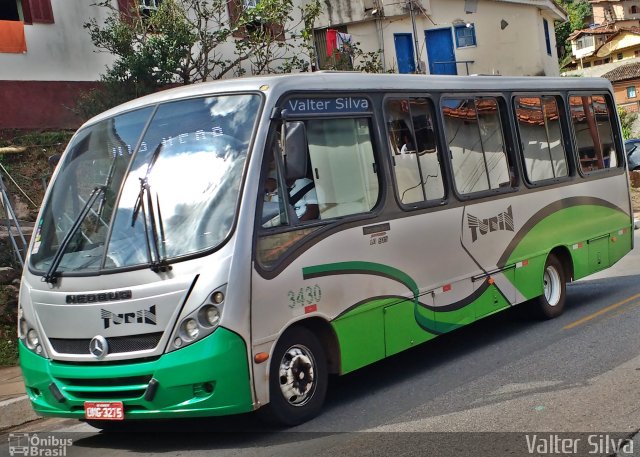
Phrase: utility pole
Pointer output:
(415, 36)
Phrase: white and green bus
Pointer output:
(225, 247)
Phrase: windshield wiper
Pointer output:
(144, 201)
(52, 274)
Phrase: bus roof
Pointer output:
(275, 85)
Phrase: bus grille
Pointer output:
(116, 344)
(131, 387)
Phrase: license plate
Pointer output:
(106, 411)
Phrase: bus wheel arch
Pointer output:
(564, 256)
(558, 270)
(298, 376)
(328, 338)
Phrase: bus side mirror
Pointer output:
(296, 155)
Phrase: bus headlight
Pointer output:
(209, 315)
(33, 339)
(190, 329)
(201, 322)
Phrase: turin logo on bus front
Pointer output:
(141, 316)
(503, 221)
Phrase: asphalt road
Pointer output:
(574, 378)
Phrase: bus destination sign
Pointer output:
(328, 105)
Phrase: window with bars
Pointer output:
(631, 92)
(148, 7)
(465, 35)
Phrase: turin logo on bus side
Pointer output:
(480, 227)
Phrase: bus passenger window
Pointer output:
(593, 133)
(343, 167)
(541, 137)
(473, 131)
(412, 141)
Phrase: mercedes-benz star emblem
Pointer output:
(99, 346)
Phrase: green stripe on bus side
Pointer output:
(568, 227)
(358, 267)
(382, 327)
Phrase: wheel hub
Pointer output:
(552, 286)
(297, 375)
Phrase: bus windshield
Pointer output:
(147, 186)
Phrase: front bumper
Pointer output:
(207, 378)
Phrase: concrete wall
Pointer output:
(519, 49)
(61, 51)
(40, 104)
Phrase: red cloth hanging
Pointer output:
(332, 41)
(12, 37)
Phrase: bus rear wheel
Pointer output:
(551, 303)
(297, 379)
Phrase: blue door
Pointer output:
(404, 52)
(440, 52)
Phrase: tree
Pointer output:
(187, 41)
(627, 119)
(578, 12)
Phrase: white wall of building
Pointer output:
(518, 49)
(61, 51)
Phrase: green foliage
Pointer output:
(8, 345)
(43, 139)
(626, 122)
(8, 323)
(183, 41)
(578, 12)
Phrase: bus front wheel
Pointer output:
(551, 303)
(297, 379)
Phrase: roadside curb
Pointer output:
(16, 411)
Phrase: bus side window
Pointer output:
(476, 142)
(342, 180)
(593, 133)
(412, 140)
(541, 137)
(343, 166)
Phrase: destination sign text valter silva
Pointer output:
(327, 105)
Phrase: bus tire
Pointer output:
(298, 378)
(551, 303)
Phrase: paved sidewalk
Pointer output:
(11, 385)
(15, 408)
